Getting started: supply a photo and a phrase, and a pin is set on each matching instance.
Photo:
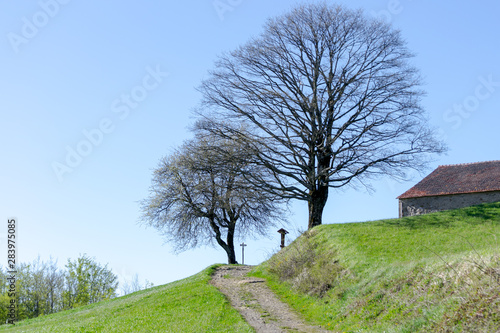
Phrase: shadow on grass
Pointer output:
(437, 220)
(480, 214)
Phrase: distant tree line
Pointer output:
(43, 288)
(133, 285)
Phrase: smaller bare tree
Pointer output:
(199, 195)
(135, 285)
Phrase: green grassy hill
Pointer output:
(430, 273)
(437, 272)
(188, 305)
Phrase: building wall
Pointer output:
(425, 205)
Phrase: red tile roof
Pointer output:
(457, 179)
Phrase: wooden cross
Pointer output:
(243, 252)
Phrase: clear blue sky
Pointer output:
(67, 67)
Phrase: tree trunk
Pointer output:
(231, 256)
(316, 205)
(228, 246)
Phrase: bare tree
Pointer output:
(134, 285)
(331, 98)
(53, 287)
(199, 195)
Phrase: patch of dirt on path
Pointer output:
(257, 303)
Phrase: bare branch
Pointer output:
(328, 98)
(200, 195)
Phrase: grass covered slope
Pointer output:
(432, 273)
(189, 305)
(436, 272)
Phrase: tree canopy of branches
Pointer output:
(331, 98)
(199, 195)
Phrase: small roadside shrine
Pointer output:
(283, 232)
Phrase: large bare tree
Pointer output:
(331, 99)
(199, 195)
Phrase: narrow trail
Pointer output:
(257, 303)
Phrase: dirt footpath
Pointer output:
(257, 303)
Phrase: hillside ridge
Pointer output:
(435, 272)
(438, 272)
